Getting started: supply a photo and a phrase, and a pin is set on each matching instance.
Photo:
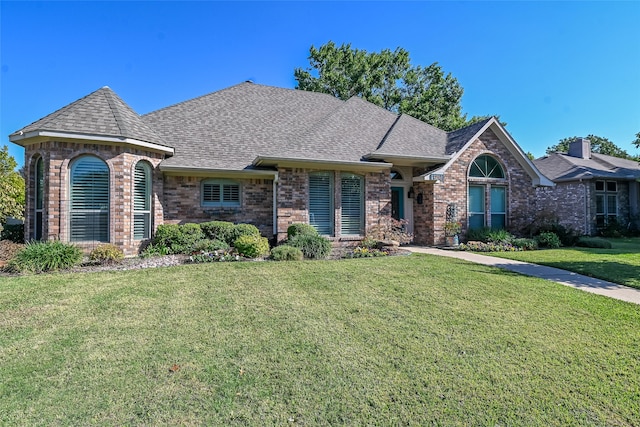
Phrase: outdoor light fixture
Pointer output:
(419, 198)
(411, 193)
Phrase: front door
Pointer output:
(397, 203)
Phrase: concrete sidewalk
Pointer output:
(568, 278)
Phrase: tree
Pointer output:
(386, 79)
(636, 142)
(12, 197)
(599, 145)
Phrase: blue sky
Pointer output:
(549, 69)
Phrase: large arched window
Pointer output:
(89, 206)
(487, 194)
(39, 199)
(142, 201)
(486, 167)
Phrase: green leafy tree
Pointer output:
(599, 145)
(386, 79)
(12, 197)
(476, 119)
(636, 142)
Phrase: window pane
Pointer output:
(486, 167)
(476, 198)
(39, 183)
(141, 226)
(320, 202)
(141, 184)
(89, 216)
(612, 205)
(476, 221)
(211, 192)
(599, 185)
(498, 221)
(498, 200)
(231, 193)
(352, 201)
(599, 204)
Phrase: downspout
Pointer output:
(275, 207)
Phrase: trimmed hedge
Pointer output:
(286, 253)
(252, 246)
(313, 247)
(301, 229)
(178, 239)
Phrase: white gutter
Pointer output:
(275, 206)
(315, 163)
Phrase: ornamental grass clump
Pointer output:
(286, 253)
(312, 247)
(38, 257)
(300, 229)
(106, 254)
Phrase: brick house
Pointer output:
(99, 172)
(592, 190)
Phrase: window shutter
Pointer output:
(231, 193)
(352, 203)
(211, 193)
(89, 200)
(320, 202)
(141, 202)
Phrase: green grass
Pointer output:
(415, 340)
(621, 264)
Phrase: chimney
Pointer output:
(581, 148)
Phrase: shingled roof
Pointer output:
(101, 113)
(562, 167)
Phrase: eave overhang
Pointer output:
(223, 173)
(320, 164)
(26, 138)
(406, 160)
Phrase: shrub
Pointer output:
(389, 228)
(499, 236)
(286, 253)
(525, 244)
(593, 242)
(298, 229)
(154, 250)
(13, 232)
(313, 247)
(240, 230)
(478, 234)
(548, 240)
(179, 239)
(477, 246)
(106, 254)
(361, 252)
(252, 246)
(369, 243)
(219, 230)
(38, 257)
(207, 245)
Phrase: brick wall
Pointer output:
(121, 160)
(293, 199)
(182, 203)
(430, 217)
(567, 202)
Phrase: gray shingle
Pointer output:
(562, 167)
(101, 113)
(458, 138)
(412, 137)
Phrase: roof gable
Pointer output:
(563, 167)
(101, 113)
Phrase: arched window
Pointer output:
(89, 207)
(487, 198)
(395, 175)
(142, 201)
(39, 199)
(486, 167)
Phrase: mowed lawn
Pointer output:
(620, 264)
(412, 340)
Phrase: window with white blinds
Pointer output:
(352, 202)
(39, 205)
(321, 201)
(221, 193)
(142, 201)
(89, 207)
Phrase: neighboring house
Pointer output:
(99, 172)
(592, 190)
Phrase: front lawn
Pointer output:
(413, 340)
(621, 264)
